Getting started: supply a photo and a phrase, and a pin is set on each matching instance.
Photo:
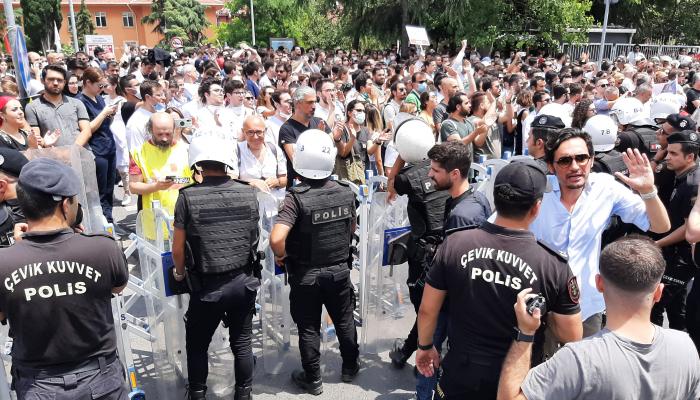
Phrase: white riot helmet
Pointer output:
(603, 132)
(663, 105)
(212, 148)
(557, 110)
(413, 139)
(629, 110)
(314, 156)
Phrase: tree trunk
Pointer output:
(404, 21)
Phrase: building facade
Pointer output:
(122, 20)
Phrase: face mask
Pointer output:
(137, 94)
(159, 107)
(422, 87)
(285, 116)
(360, 118)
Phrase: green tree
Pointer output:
(39, 18)
(182, 18)
(84, 24)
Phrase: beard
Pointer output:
(162, 144)
(446, 185)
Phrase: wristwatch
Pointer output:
(176, 274)
(518, 336)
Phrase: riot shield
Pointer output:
(83, 163)
(385, 300)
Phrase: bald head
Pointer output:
(253, 123)
(449, 87)
(161, 126)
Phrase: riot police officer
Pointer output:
(11, 163)
(57, 294)
(637, 131)
(603, 131)
(217, 220)
(542, 128)
(426, 210)
(312, 237)
(664, 177)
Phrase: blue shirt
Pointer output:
(578, 234)
(102, 140)
(469, 209)
(253, 87)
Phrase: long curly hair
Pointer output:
(580, 113)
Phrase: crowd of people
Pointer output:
(594, 220)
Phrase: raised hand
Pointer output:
(641, 175)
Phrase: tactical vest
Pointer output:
(7, 226)
(322, 235)
(647, 135)
(223, 227)
(611, 162)
(426, 204)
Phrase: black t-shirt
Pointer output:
(289, 133)
(482, 271)
(469, 209)
(56, 292)
(9, 142)
(691, 95)
(685, 190)
(127, 111)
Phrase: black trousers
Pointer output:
(234, 302)
(106, 383)
(673, 300)
(105, 170)
(311, 289)
(692, 312)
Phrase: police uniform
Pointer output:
(642, 138)
(482, 270)
(220, 218)
(56, 293)
(680, 267)
(549, 124)
(321, 214)
(663, 177)
(11, 163)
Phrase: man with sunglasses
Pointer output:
(391, 109)
(577, 210)
(67, 293)
(419, 84)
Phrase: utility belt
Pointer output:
(91, 364)
(423, 254)
(292, 267)
(196, 281)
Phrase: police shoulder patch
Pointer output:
(560, 255)
(330, 214)
(574, 291)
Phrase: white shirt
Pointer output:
(192, 90)
(526, 127)
(271, 165)
(136, 128)
(265, 81)
(579, 233)
(272, 134)
(324, 113)
(191, 108)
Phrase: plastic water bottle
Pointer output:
(526, 152)
(507, 155)
(482, 158)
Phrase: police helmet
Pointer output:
(603, 131)
(629, 110)
(314, 157)
(413, 139)
(212, 148)
(663, 105)
(557, 110)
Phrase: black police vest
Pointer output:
(647, 135)
(222, 231)
(7, 226)
(322, 235)
(611, 162)
(426, 204)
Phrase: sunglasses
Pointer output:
(603, 85)
(566, 161)
(249, 98)
(419, 82)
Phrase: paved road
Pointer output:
(377, 378)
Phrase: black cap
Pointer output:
(12, 161)
(680, 122)
(51, 177)
(687, 137)
(547, 121)
(522, 179)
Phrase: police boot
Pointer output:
(314, 387)
(243, 393)
(196, 392)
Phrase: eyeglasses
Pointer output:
(603, 85)
(402, 90)
(252, 133)
(249, 97)
(240, 93)
(566, 161)
(423, 81)
(102, 85)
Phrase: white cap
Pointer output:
(314, 156)
(603, 132)
(413, 139)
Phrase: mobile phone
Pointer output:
(170, 178)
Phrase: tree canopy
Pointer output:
(84, 25)
(182, 18)
(39, 17)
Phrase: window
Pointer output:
(128, 19)
(101, 19)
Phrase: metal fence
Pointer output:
(613, 50)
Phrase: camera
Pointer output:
(536, 302)
(183, 123)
